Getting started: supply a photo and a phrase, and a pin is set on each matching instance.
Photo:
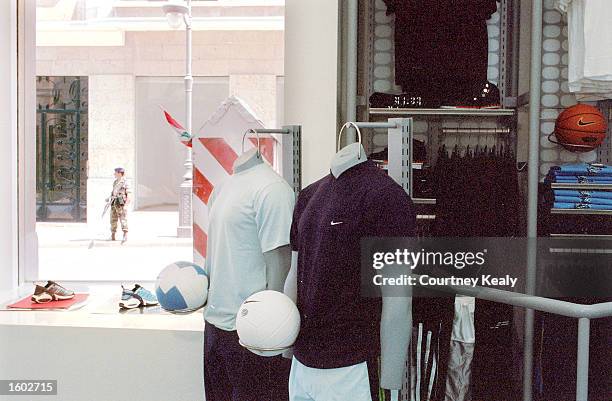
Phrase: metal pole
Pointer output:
(351, 73)
(185, 209)
(582, 369)
(532, 202)
(534, 117)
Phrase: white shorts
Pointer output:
(350, 383)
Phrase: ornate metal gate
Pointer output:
(61, 148)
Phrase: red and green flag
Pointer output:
(184, 136)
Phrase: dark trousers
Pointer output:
(233, 373)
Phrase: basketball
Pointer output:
(268, 323)
(580, 128)
(182, 287)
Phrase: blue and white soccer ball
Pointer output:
(182, 287)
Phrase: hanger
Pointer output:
(252, 157)
(350, 155)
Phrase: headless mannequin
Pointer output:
(277, 260)
(396, 318)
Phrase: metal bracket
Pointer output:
(400, 152)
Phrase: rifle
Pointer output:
(108, 205)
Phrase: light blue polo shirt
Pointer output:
(249, 214)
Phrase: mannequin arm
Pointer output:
(291, 282)
(277, 266)
(291, 291)
(395, 332)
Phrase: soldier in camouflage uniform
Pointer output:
(119, 200)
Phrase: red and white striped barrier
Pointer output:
(215, 148)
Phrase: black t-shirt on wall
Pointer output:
(338, 327)
(441, 46)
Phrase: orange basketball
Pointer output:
(581, 128)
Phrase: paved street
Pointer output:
(78, 251)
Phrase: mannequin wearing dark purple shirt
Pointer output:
(394, 315)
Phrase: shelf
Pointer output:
(441, 112)
(415, 166)
(583, 187)
(582, 236)
(582, 211)
(424, 201)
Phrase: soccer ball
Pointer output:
(268, 323)
(182, 287)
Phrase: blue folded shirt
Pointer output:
(578, 199)
(582, 169)
(563, 205)
(583, 194)
(581, 179)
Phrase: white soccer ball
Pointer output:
(182, 287)
(268, 323)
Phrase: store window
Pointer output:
(104, 73)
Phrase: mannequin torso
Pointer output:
(395, 324)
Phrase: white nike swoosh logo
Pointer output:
(335, 223)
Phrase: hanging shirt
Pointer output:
(338, 327)
(590, 44)
(249, 214)
(441, 46)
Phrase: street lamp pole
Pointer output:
(185, 229)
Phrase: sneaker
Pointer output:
(137, 297)
(125, 236)
(482, 96)
(51, 292)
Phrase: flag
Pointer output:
(184, 136)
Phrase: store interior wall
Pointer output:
(312, 79)
(8, 145)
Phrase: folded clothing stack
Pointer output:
(568, 199)
(583, 173)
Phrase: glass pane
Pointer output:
(106, 70)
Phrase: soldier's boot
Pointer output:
(125, 237)
(113, 236)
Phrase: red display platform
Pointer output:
(27, 304)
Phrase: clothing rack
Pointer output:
(400, 135)
(468, 131)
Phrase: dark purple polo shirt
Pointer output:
(339, 327)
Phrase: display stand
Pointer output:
(508, 78)
(290, 139)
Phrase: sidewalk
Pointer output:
(80, 251)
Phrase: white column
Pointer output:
(312, 79)
(111, 138)
(8, 145)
